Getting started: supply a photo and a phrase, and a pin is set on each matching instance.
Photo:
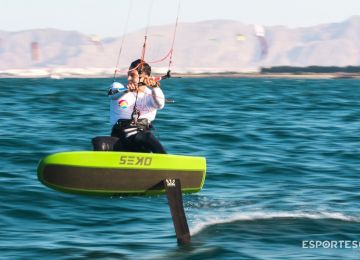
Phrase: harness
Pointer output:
(128, 127)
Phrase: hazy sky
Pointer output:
(107, 17)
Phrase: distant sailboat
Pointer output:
(35, 51)
(260, 33)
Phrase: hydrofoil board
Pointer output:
(120, 173)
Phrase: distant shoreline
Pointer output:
(272, 75)
(106, 73)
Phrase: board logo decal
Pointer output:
(170, 182)
(135, 160)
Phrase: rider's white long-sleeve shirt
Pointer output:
(147, 102)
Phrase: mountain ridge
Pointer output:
(205, 46)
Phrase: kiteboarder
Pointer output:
(133, 111)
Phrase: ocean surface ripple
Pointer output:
(283, 167)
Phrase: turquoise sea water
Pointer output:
(283, 160)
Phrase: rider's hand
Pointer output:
(132, 86)
(148, 81)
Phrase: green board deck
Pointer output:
(120, 173)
